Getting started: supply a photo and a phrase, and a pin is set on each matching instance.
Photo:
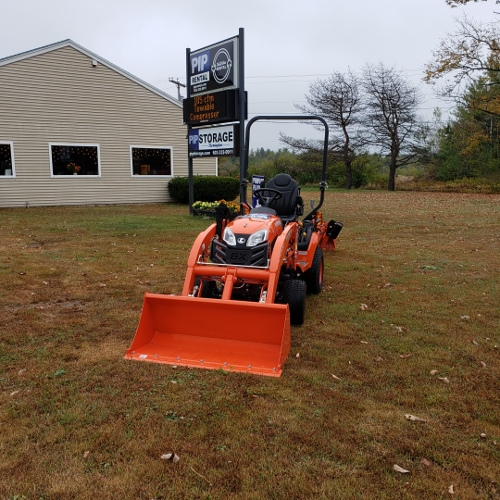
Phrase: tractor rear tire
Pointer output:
(294, 294)
(314, 276)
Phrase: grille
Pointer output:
(256, 256)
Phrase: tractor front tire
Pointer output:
(314, 276)
(294, 294)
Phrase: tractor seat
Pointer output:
(290, 205)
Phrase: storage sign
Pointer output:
(215, 141)
(214, 68)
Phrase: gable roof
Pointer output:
(70, 43)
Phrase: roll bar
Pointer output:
(245, 153)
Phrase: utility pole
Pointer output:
(179, 85)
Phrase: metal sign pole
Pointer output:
(242, 109)
(190, 160)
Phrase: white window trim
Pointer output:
(74, 144)
(13, 174)
(152, 176)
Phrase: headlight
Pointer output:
(229, 237)
(257, 238)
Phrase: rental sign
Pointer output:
(214, 141)
(214, 68)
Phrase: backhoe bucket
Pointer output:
(231, 335)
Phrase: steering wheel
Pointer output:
(267, 195)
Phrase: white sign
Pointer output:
(215, 141)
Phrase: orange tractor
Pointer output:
(246, 282)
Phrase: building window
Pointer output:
(74, 159)
(151, 160)
(7, 159)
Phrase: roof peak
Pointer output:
(70, 43)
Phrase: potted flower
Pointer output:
(207, 208)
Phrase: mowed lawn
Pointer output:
(391, 389)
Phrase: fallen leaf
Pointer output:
(364, 342)
(413, 418)
(335, 377)
(426, 462)
(86, 454)
(363, 307)
(379, 359)
(483, 364)
(399, 329)
(465, 317)
(397, 468)
(14, 393)
(173, 457)
(297, 355)
(482, 435)
(444, 379)
(451, 490)
(405, 356)
(433, 372)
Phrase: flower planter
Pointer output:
(205, 213)
(210, 214)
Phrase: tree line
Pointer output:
(375, 126)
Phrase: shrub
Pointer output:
(206, 188)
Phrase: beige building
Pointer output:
(75, 130)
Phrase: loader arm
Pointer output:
(199, 251)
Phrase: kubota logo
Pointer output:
(241, 240)
(221, 65)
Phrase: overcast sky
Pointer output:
(289, 44)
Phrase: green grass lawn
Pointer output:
(397, 362)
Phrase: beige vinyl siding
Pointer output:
(60, 97)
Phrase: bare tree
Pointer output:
(337, 99)
(391, 104)
(472, 51)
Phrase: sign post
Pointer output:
(215, 94)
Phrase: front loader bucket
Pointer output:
(238, 336)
